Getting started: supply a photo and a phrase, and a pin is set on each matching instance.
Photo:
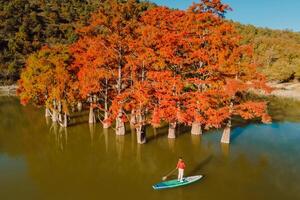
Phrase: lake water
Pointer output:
(39, 160)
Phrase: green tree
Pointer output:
(27, 25)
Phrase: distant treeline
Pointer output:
(277, 52)
(26, 25)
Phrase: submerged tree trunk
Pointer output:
(196, 128)
(92, 118)
(132, 118)
(226, 135)
(79, 106)
(120, 125)
(59, 109)
(65, 122)
(172, 129)
(139, 117)
(106, 124)
(54, 115)
(141, 134)
(47, 112)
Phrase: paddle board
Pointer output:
(176, 183)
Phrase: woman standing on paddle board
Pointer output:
(180, 167)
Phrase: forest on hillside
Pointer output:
(27, 25)
(277, 52)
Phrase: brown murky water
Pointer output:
(39, 160)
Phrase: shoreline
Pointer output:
(283, 90)
(286, 90)
(8, 90)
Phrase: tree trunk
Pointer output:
(120, 125)
(59, 108)
(79, 106)
(47, 112)
(132, 118)
(226, 135)
(105, 123)
(60, 117)
(172, 129)
(141, 134)
(92, 118)
(65, 122)
(54, 115)
(196, 128)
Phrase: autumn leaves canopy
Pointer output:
(150, 66)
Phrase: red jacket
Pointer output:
(180, 165)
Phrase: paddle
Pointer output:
(171, 172)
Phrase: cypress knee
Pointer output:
(172, 129)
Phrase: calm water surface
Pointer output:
(39, 160)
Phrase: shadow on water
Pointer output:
(77, 123)
(80, 114)
(236, 133)
(158, 133)
(182, 129)
(200, 165)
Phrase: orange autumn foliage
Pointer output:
(163, 65)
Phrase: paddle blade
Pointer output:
(164, 178)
